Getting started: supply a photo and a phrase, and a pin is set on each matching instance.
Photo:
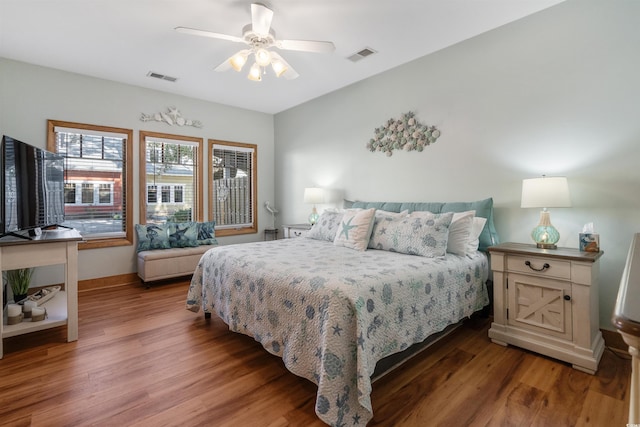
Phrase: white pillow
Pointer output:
(474, 238)
(354, 229)
(460, 232)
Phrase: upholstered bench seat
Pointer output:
(159, 264)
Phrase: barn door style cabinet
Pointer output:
(546, 300)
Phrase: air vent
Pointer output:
(161, 76)
(367, 51)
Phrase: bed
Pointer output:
(331, 311)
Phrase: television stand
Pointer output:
(62, 309)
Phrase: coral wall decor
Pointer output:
(171, 117)
(405, 133)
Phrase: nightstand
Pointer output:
(296, 230)
(546, 300)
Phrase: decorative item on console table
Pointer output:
(547, 301)
(19, 281)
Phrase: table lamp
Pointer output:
(313, 196)
(545, 192)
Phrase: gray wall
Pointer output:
(29, 95)
(555, 93)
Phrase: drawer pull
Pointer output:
(544, 267)
(567, 297)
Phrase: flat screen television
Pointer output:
(32, 187)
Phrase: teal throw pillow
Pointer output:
(207, 233)
(183, 234)
(152, 236)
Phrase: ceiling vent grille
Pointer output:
(161, 76)
(367, 51)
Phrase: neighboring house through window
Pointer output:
(98, 196)
(170, 178)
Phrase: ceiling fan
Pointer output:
(260, 37)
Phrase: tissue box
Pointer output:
(589, 242)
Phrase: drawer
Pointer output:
(539, 266)
(296, 231)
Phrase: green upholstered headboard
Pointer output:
(483, 208)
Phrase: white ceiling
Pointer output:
(123, 40)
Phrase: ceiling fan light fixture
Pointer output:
(259, 36)
(254, 73)
(238, 60)
(278, 67)
(263, 57)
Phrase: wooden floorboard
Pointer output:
(142, 359)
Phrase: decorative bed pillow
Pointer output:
(206, 233)
(419, 233)
(326, 227)
(476, 231)
(152, 236)
(354, 229)
(459, 232)
(183, 234)
(380, 220)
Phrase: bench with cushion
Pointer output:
(172, 249)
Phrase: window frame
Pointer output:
(197, 211)
(229, 231)
(104, 241)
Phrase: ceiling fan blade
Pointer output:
(261, 17)
(290, 73)
(306, 45)
(203, 33)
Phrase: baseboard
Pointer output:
(109, 282)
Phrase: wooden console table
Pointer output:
(50, 248)
(626, 317)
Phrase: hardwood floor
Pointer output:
(142, 359)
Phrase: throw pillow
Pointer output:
(327, 226)
(419, 233)
(152, 236)
(183, 234)
(379, 225)
(206, 233)
(354, 230)
(476, 231)
(459, 232)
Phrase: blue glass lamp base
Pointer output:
(545, 235)
(313, 217)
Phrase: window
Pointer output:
(171, 177)
(233, 187)
(91, 193)
(98, 196)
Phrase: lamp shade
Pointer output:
(545, 192)
(313, 195)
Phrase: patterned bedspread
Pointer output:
(331, 312)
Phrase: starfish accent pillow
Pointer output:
(354, 229)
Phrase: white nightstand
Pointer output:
(296, 230)
(546, 300)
